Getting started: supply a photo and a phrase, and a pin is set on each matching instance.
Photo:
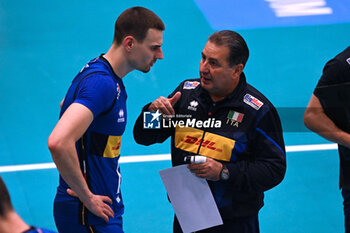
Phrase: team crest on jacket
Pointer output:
(191, 84)
(348, 60)
(193, 105)
(252, 101)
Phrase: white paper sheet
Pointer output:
(191, 198)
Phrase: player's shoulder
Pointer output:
(97, 68)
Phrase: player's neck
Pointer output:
(12, 223)
(116, 57)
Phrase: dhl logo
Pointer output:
(112, 148)
(117, 147)
(205, 143)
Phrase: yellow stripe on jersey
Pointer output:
(217, 147)
(187, 137)
(212, 145)
(112, 148)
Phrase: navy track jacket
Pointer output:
(242, 131)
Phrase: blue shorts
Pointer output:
(66, 215)
(64, 226)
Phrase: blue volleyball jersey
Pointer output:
(98, 88)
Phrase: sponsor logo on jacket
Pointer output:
(204, 143)
(252, 101)
(121, 116)
(193, 105)
(112, 148)
(190, 85)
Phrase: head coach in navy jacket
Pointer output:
(222, 117)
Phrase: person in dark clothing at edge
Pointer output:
(244, 146)
(336, 71)
(10, 221)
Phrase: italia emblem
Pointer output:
(234, 118)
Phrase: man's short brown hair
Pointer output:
(239, 51)
(135, 22)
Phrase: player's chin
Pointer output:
(146, 70)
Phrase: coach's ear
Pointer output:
(237, 70)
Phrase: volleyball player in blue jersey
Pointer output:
(85, 143)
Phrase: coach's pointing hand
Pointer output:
(165, 105)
